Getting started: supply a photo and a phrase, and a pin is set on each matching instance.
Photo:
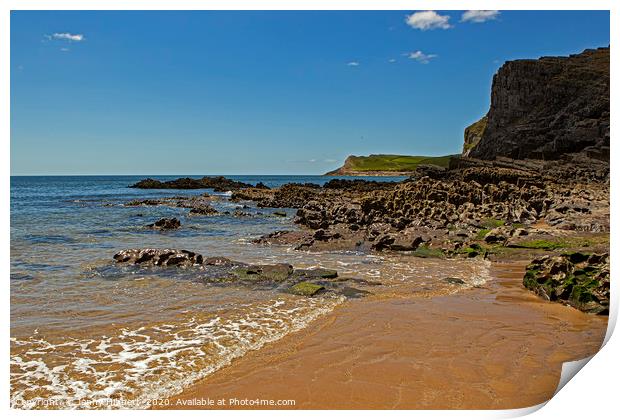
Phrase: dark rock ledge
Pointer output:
(221, 270)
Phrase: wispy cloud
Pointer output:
(428, 19)
(392, 60)
(479, 16)
(66, 36)
(420, 57)
(65, 49)
(353, 63)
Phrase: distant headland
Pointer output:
(387, 165)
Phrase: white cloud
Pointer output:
(64, 49)
(420, 57)
(353, 63)
(392, 60)
(428, 19)
(67, 36)
(479, 16)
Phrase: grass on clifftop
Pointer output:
(393, 162)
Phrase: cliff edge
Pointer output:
(544, 108)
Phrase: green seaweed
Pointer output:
(493, 223)
(482, 233)
(541, 244)
(305, 288)
(423, 251)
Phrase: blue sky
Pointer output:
(260, 92)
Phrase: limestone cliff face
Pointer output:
(541, 109)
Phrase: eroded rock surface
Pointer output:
(159, 257)
(577, 279)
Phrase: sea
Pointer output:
(87, 333)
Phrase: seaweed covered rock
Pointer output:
(578, 279)
(305, 288)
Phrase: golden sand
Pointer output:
(496, 346)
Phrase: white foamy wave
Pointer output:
(149, 362)
(481, 273)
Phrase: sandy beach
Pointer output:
(332, 218)
(494, 347)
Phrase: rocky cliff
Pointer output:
(473, 134)
(541, 109)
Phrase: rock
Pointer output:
(317, 273)
(262, 186)
(322, 235)
(218, 183)
(305, 288)
(473, 134)
(453, 280)
(519, 232)
(277, 272)
(222, 271)
(577, 279)
(544, 108)
(273, 272)
(240, 213)
(497, 235)
(358, 185)
(159, 257)
(198, 205)
(202, 210)
(279, 213)
(165, 224)
(218, 261)
(147, 202)
(352, 292)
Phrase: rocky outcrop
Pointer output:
(578, 279)
(359, 185)
(165, 224)
(473, 134)
(220, 270)
(217, 183)
(197, 205)
(291, 195)
(159, 257)
(542, 109)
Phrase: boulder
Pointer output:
(202, 210)
(578, 279)
(159, 257)
(305, 288)
(165, 224)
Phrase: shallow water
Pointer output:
(83, 329)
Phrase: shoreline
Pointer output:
(498, 346)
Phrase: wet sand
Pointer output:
(493, 347)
